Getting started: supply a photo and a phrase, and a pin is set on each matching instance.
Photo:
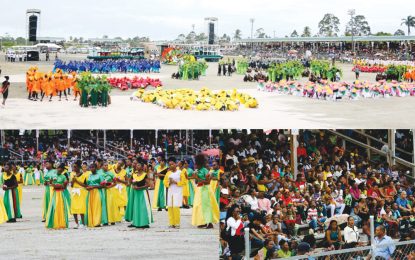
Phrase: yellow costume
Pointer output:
(78, 194)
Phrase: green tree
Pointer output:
(409, 22)
(399, 32)
(358, 26)
(329, 25)
(294, 33)
(201, 37)
(260, 33)
(382, 34)
(306, 32)
(237, 35)
(20, 41)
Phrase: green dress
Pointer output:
(49, 175)
(11, 198)
(58, 210)
(138, 207)
(95, 180)
(191, 184)
(128, 170)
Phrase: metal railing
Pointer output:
(397, 250)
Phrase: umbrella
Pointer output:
(211, 152)
(379, 54)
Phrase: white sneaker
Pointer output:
(81, 226)
(76, 227)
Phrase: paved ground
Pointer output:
(29, 239)
(275, 111)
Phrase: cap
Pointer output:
(303, 247)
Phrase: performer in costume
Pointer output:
(214, 180)
(159, 200)
(186, 192)
(29, 176)
(19, 178)
(191, 183)
(113, 211)
(128, 176)
(174, 180)
(78, 192)
(11, 196)
(50, 174)
(58, 210)
(121, 180)
(138, 207)
(205, 208)
(96, 208)
(3, 212)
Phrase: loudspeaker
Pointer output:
(211, 33)
(32, 28)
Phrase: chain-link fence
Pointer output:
(377, 248)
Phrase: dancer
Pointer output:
(138, 207)
(121, 181)
(186, 193)
(48, 177)
(96, 208)
(11, 196)
(191, 183)
(113, 211)
(78, 192)
(214, 180)
(205, 208)
(19, 178)
(159, 200)
(58, 210)
(5, 89)
(174, 180)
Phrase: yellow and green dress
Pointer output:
(29, 178)
(121, 189)
(191, 186)
(11, 201)
(175, 195)
(214, 184)
(186, 192)
(49, 175)
(205, 207)
(78, 194)
(128, 174)
(159, 200)
(20, 181)
(58, 210)
(138, 207)
(113, 212)
(3, 212)
(96, 207)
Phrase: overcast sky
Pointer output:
(164, 19)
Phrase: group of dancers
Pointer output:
(40, 85)
(110, 66)
(101, 193)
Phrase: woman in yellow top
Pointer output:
(174, 180)
(186, 192)
(159, 200)
(78, 194)
(121, 186)
(113, 211)
(19, 178)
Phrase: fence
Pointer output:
(403, 250)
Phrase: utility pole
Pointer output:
(352, 12)
(252, 20)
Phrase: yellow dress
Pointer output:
(19, 178)
(78, 195)
(121, 197)
(3, 213)
(186, 192)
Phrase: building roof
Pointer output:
(52, 39)
(330, 39)
(104, 40)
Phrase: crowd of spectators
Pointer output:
(324, 204)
